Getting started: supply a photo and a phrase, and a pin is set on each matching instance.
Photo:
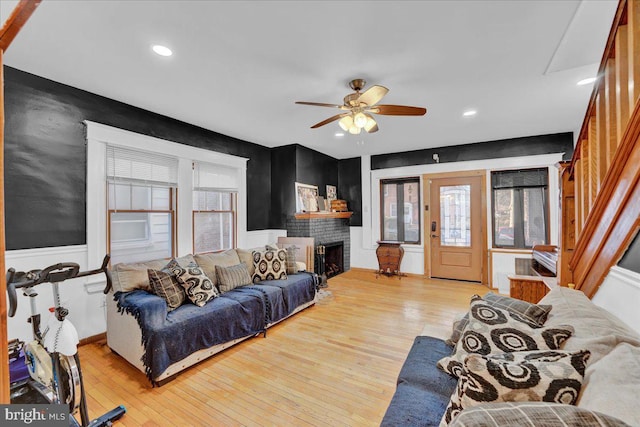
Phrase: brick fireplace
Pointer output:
(325, 231)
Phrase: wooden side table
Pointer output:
(390, 255)
(530, 288)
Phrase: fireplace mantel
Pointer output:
(320, 215)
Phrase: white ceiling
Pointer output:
(238, 66)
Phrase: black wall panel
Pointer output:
(283, 177)
(514, 147)
(45, 157)
(350, 187)
(315, 168)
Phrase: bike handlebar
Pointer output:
(52, 274)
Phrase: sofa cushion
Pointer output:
(270, 264)
(493, 330)
(595, 328)
(546, 376)
(612, 384)
(533, 414)
(209, 261)
(130, 276)
(534, 315)
(246, 256)
(232, 277)
(198, 286)
(165, 284)
(423, 390)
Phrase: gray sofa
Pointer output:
(610, 387)
(161, 343)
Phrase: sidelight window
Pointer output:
(400, 210)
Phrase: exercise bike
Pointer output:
(52, 357)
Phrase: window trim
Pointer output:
(546, 207)
(99, 136)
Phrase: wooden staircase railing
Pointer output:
(604, 174)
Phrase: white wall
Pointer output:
(363, 239)
(619, 294)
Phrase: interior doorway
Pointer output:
(455, 222)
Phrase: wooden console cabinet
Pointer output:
(390, 255)
(530, 288)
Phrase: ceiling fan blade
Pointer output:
(373, 95)
(321, 104)
(329, 120)
(398, 110)
(373, 129)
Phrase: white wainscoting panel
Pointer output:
(85, 302)
(503, 264)
(619, 294)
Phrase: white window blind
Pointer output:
(208, 176)
(127, 165)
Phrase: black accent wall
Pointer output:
(45, 158)
(350, 187)
(296, 163)
(514, 147)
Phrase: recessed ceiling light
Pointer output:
(339, 134)
(161, 50)
(470, 113)
(587, 81)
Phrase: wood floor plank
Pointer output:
(335, 363)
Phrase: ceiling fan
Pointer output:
(358, 108)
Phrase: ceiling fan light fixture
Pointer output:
(360, 120)
(371, 123)
(354, 130)
(346, 123)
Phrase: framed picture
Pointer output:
(306, 197)
(331, 193)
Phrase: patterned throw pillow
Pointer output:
(164, 283)
(198, 286)
(534, 315)
(270, 265)
(529, 376)
(533, 414)
(232, 277)
(493, 330)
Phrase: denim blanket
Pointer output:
(170, 337)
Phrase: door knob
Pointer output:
(434, 235)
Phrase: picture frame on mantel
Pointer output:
(332, 194)
(306, 197)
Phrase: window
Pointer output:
(400, 210)
(140, 189)
(152, 191)
(214, 215)
(214, 207)
(520, 208)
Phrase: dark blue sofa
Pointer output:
(423, 391)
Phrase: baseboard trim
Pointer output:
(94, 338)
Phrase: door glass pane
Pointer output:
(213, 231)
(503, 229)
(455, 215)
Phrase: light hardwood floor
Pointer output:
(333, 364)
